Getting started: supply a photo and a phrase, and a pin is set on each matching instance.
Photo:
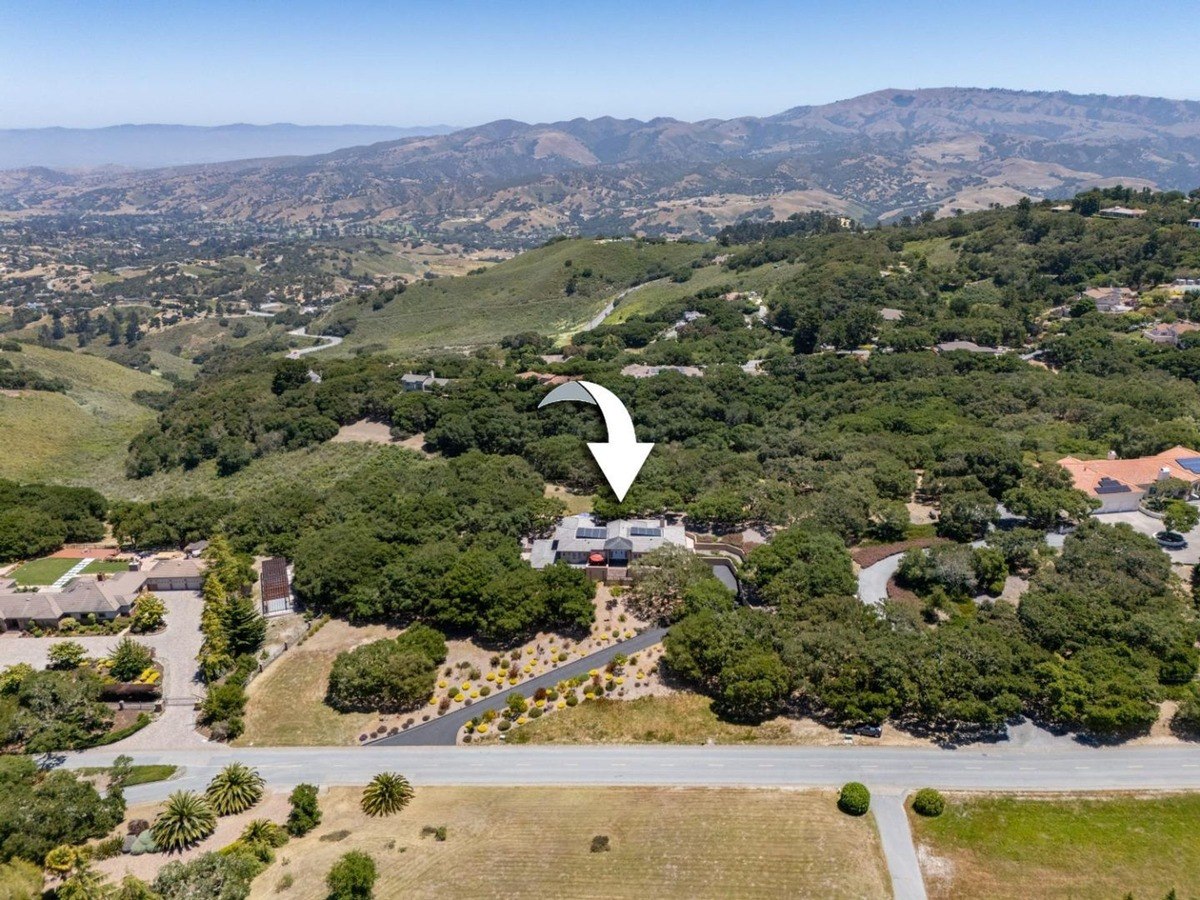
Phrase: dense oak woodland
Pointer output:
(823, 446)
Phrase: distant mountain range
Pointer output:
(155, 146)
(875, 156)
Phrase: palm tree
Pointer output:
(263, 833)
(186, 820)
(234, 789)
(387, 793)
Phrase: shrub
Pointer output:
(284, 883)
(600, 844)
(928, 802)
(149, 614)
(306, 812)
(334, 836)
(65, 655)
(108, 848)
(854, 799)
(384, 675)
(222, 710)
(224, 875)
(129, 659)
(352, 877)
(438, 832)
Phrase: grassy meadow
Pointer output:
(527, 293)
(79, 436)
(683, 718)
(1007, 848)
(535, 842)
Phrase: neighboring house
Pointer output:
(1120, 484)
(1121, 212)
(195, 548)
(547, 378)
(1112, 299)
(175, 575)
(1186, 285)
(640, 371)
(105, 597)
(276, 585)
(602, 548)
(1193, 223)
(412, 381)
(967, 347)
(1169, 334)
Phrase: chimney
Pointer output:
(1164, 473)
(1112, 454)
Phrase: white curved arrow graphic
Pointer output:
(622, 456)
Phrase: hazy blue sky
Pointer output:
(99, 63)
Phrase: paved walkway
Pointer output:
(69, 574)
(445, 729)
(895, 836)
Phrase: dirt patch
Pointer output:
(364, 431)
(921, 513)
(86, 553)
(873, 553)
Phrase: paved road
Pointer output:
(884, 769)
(444, 729)
(895, 836)
(329, 341)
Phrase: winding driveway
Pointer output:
(329, 341)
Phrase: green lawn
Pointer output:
(1005, 847)
(43, 571)
(146, 774)
(106, 566)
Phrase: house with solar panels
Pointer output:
(605, 550)
(1120, 484)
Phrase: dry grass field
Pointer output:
(682, 718)
(535, 842)
(287, 706)
(1007, 848)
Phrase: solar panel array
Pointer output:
(644, 531)
(1109, 486)
(1191, 463)
(588, 534)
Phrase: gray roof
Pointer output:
(619, 534)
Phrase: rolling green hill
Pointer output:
(553, 290)
(81, 435)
